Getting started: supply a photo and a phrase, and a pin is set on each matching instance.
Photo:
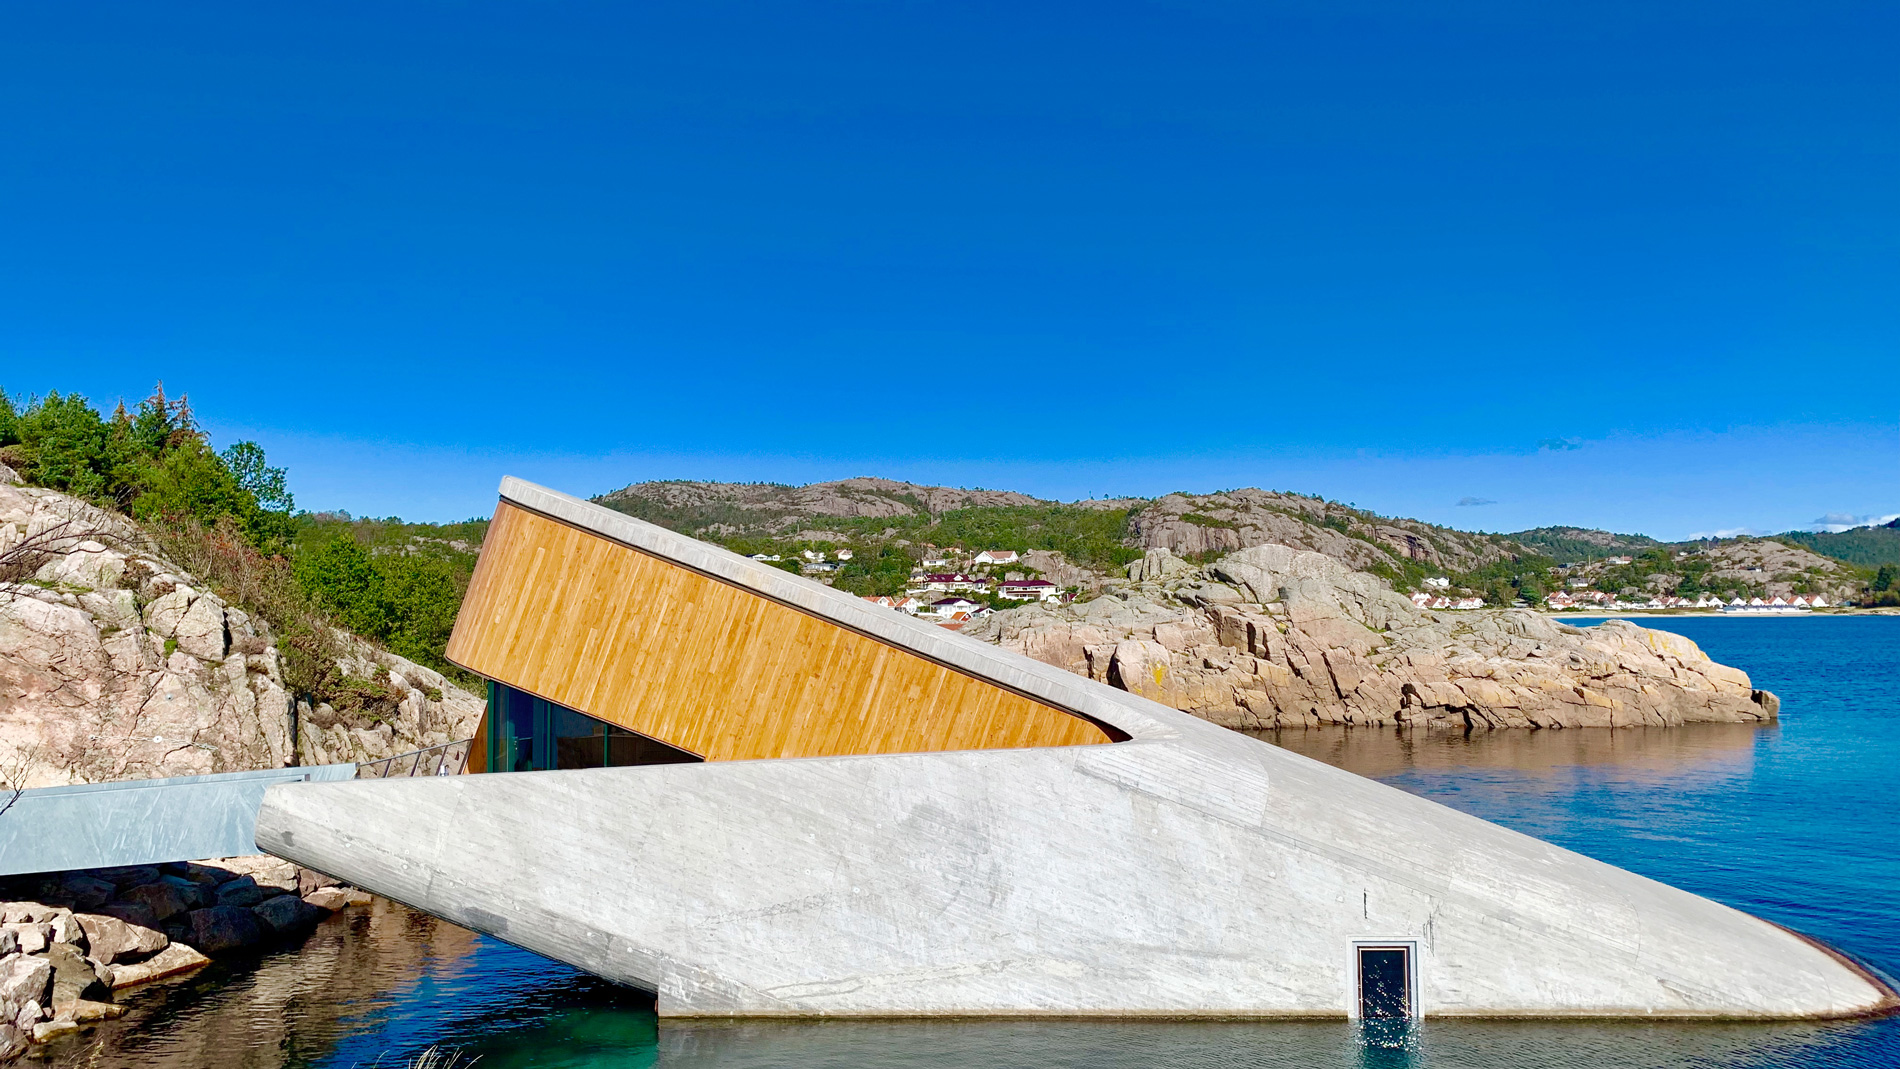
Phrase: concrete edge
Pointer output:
(1134, 716)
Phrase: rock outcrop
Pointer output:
(116, 664)
(1273, 636)
(1195, 525)
(69, 941)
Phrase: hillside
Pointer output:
(1572, 545)
(1867, 547)
(1076, 543)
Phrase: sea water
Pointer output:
(1798, 822)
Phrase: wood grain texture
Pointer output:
(714, 668)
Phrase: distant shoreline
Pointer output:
(1667, 614)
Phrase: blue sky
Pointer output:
(1623, 265)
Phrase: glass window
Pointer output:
(535, 734)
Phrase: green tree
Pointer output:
(342, 577)
(1885, 577)
(64, 445)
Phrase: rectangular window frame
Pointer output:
(1355, 995)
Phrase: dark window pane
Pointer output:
(1382, 983)
(583, 751)
(627, 748)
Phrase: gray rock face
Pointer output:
(244, 892)
(112, 941)
(1272, 636)
(74, 979)
(288, 914)
(23, 979)
(223, 928)
(164, 899)
(112, 641)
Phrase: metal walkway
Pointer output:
(151, 821)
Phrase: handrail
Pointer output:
(448, 759)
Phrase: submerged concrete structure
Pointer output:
(757, 796)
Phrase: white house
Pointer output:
(944, 608)
(843, 554)
(951, 581)
(1468, 603)
(1030, 590)
(766, 556)
(813, 554)
(996, 556)
(1438, 582)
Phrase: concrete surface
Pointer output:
(141, 822)
(1190, 871)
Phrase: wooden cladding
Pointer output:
(711, 667)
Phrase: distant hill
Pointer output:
(1575, 545)
(1868, 547)
(1099, 537)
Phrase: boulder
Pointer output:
(31, 938)
(12, 1041)
(288, 914)
(27, 913)
(171, 961)
(113, 941)
(264, 870)
(86, 1011)
(47, 1031)
(9, 942)
(80, 891)
(74, 979)
(244, 891)
(218, 929)
(165, 900)
(24, 978)
(30, 1014)
(309, 880)
(192, 893)
(131, 913)
(328, 898)
(68, 930)
(125, 876)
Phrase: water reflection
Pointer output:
(1668, 755)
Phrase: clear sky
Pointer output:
(1624, 265)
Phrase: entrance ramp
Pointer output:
(141, 822)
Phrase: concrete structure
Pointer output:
(141, 822)
(1150, 864)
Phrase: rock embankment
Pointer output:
(117, 664)
(1273, 637)
(70, 942)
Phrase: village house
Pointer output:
(949, 582)
(1438, 582)
(1030, 590)
(843, 554)
(995, 556)
(945, 608)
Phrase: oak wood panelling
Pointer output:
(711, 667)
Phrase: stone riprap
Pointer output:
(70, 940)
(116, 664)
(1274, 637)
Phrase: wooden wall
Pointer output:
(713, 668)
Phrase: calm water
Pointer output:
(1796, 823)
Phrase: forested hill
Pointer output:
(1868, 547)
(1579, 544)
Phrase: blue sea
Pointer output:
(1798, 822)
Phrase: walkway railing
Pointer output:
(448, 759)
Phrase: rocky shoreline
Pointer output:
(1275, 637)
(70, 942)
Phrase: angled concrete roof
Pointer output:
(1187, 871)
